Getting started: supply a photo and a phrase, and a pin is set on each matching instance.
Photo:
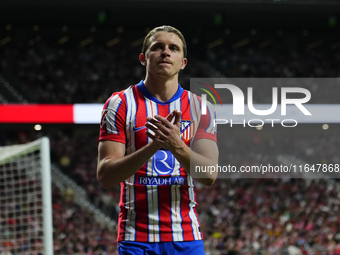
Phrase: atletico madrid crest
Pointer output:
(187, 129)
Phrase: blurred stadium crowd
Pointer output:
(70, 73)
(238, 216)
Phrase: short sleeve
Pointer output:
(112, 125)
(207, 128)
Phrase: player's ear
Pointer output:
(142, 59)
(184, 63)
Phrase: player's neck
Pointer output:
(162, 89)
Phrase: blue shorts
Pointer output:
(162, 248)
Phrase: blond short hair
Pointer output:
(168, 29)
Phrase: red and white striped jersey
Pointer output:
(157, 204)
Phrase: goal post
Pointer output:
(26, 198)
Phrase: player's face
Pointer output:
(164, 57)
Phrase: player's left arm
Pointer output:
(203, 152)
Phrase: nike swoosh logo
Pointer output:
(137, 129)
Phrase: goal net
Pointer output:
(25, 199)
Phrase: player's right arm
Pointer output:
(114, 166)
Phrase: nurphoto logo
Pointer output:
(238, 104)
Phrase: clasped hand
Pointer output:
(166, 134)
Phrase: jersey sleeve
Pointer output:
(112, 125)
(207, 128)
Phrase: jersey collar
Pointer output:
(147, 94)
